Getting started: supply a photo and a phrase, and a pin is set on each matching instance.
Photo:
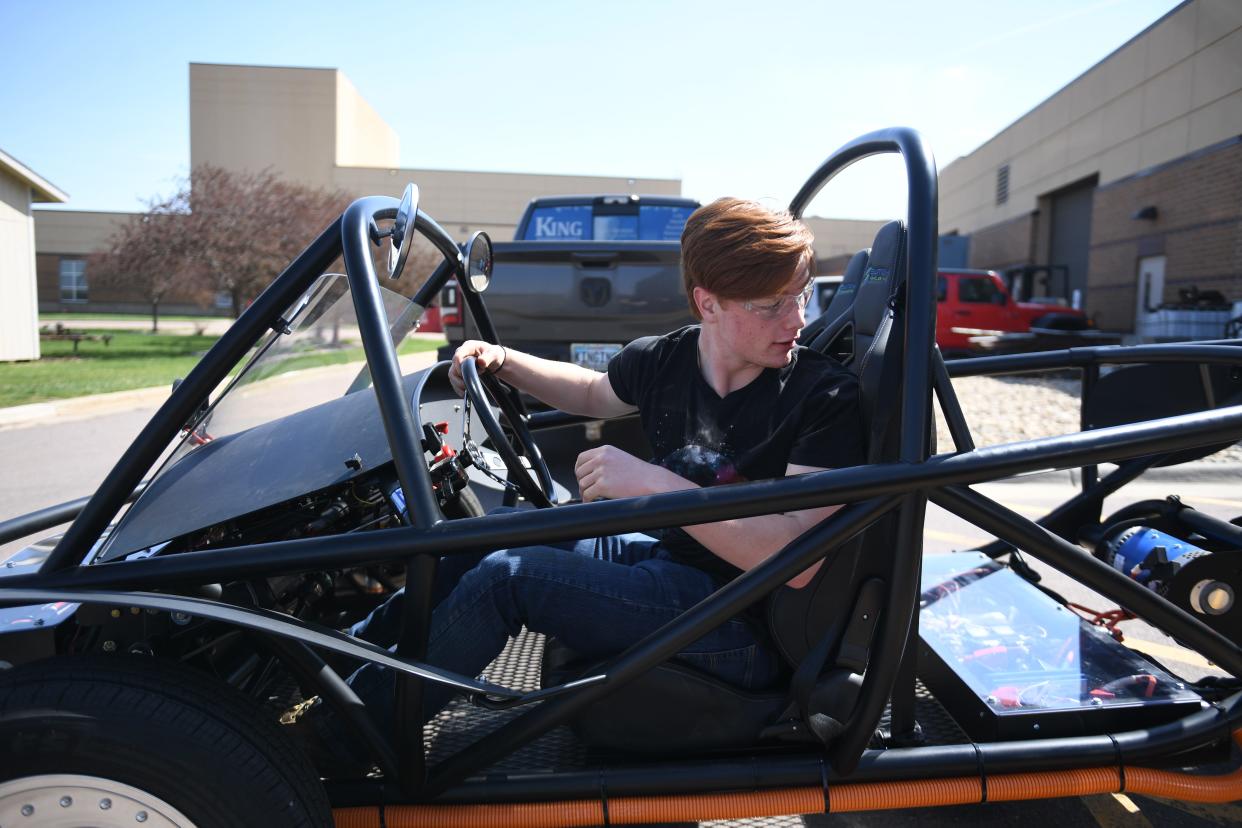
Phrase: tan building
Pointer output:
(1130, 177)
(312, 126)
(19, 323)
(836, 240)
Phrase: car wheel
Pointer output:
(465, 505)
(126, 741)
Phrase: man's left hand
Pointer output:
(607, 472)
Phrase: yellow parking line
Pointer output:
(1115, 811)
(1166, 652)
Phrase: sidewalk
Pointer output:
(1200, 471)
(94, 405)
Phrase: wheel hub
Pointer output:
(75, 801)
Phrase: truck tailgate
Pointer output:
(585, 292)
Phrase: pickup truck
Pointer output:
(585, 275)
(975, 313)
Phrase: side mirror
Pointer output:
(402, 237)
(478, 262)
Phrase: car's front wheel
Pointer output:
(129, 741)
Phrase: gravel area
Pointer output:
(1011, 409)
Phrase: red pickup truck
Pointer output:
(974, 309)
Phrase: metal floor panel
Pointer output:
(462, 723)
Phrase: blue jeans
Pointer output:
(596, 596)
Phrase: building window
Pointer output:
(73, 280)
(1002, 185)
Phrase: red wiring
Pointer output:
(1109, 619)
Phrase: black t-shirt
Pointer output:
(805, 413)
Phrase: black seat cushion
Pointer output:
(670, 709)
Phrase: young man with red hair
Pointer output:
(733, 398)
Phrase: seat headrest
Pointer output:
(848, 289)
(885, 271)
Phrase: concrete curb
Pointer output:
(95, 405)
(79, 408)
(1197, 472)
(1200, 471)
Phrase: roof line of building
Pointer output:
(62, 211)
(264, 66)
(395, 170)
(1075, 79)
(45, 190)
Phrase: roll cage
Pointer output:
(903, 487)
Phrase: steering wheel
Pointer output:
(479, 388)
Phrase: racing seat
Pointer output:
(675, 708)
(836, 318)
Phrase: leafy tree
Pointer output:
(228, 232)
(144, 253)
(243, 228)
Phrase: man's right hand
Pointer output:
(488, 358)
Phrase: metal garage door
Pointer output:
(1071, 232)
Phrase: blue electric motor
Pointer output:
(1149, 556)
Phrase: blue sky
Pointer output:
(741, 98)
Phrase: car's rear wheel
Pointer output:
(132, 741)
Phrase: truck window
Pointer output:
(980, 290)
(615, 228)
(582, 222)
(662, 223)
(942, 289)
(570, 222)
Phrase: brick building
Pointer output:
(1129, 179)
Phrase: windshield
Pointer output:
(318, 357)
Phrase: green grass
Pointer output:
(123, 317)
(135, 359)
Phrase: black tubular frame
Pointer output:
(897, 625)
(871, 492)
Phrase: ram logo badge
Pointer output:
(595, 293)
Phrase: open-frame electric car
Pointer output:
(199, 594)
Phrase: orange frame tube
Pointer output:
(859, 796)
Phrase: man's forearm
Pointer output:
(568, 387)
(748, 542)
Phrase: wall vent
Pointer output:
(1002, 184)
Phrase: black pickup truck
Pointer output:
(585, 275)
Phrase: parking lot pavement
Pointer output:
(60, 451)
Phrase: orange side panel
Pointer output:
(863, 796)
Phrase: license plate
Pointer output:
(593, 355)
